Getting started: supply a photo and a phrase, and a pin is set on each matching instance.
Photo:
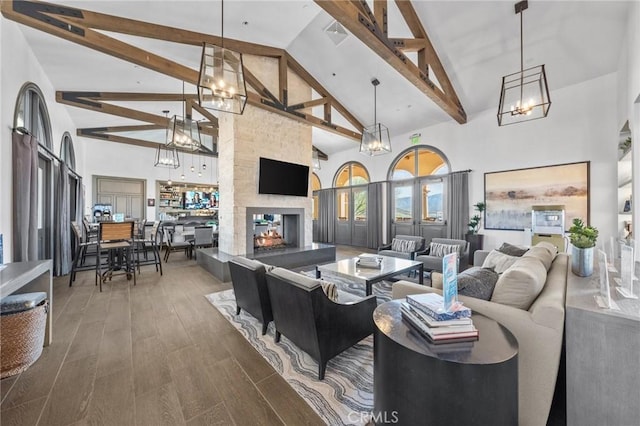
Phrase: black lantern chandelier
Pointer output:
(221, 84)
(525, 94)
(167, 156)
(183, 133)
(375, 138)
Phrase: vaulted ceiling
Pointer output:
(477, 41)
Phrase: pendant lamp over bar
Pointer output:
(183, 131)
(375, 138)
(221, 84)
(525, 94)
(167, 156)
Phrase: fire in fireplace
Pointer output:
(269, 239)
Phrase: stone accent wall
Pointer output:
(243, 140)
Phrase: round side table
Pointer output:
(464, 383)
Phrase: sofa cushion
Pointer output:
(330, 290)
(299, 280)
(441, 250)
(498, 261)
(403, 246)
(474, 282)
(542, 254)
(512, 250)
(477, 282)
(520, 285)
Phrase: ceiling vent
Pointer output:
(336, 32)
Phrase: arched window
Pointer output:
(350, 174)
(418, 189)
(67, 153)
(315, 182)
(418, 161)
(31, 113)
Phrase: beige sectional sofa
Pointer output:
(538, 329)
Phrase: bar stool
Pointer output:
(80, 253)
(117, 239)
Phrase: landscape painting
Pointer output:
(511, 194)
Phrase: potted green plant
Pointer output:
(583, 239)
(475, 239)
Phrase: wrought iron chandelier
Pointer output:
(525, 94)
(375, 138)
(221, 84)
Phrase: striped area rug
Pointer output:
(345, 396)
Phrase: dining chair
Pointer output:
(81, 246)
(116, 239)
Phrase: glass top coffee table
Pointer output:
(390, 266)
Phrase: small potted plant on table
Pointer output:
(583, 239)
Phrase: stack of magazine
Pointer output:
(425, 314)
(369, 262)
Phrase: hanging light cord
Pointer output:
(375, 104)
(521, 60)
(222, 23)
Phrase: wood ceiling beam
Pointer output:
(309, 104)
(380, 13)
(409, 44)
(83, 27)
(101, 134)
(362, 26)
(321, 155)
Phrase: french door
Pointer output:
(418, 207)
(352, 216)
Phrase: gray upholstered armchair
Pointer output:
(403, 246)
(433, 261)
(250, 288)
(304, 314)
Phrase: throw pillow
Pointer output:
(498, 261)
(477, 282)
(552, 249)
(330, 290)
(542, 254)
(403, 246)
(436, 280)
(441, 250)
(512, 250)
(520, 285)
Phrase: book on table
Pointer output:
(432, 304)
(459, 324)
(438, 334)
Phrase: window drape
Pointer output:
(376, 205)
(25, 197)
(326, 215)
(458, 205)
(62, 223)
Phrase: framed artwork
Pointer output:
(510, 194)
(151, 202)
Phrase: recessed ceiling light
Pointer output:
(336, 32)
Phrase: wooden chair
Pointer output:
(116, 238)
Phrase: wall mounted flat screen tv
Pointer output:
(195, 200)
(282, 178)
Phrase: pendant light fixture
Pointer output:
(167, 156)
(221, 84)
(375, 138)
(183, 131)
(525, 94)
(315, 159)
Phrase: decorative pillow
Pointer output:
(498, 261)
(477, 282)
(542, 254)
(330, 290)
(403, 246)
(512, 250)
(441, 250)
(520, 285)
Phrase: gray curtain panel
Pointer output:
(62, 223)
(79, 201)
(375, 205)
(25, 197)
(326, 215)
(458, 205)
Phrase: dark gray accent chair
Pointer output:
(434, 263)
(317, 325)
(386, 249)
(250, 288)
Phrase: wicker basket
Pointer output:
(21, 339)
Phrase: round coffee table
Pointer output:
(417, 382)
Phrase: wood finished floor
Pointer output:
(154, 354)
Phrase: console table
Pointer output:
(602, 355)
(27, 277)
(416, 382)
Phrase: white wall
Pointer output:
(19, 65)
(581, 126)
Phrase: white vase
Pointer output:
(582, 261)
